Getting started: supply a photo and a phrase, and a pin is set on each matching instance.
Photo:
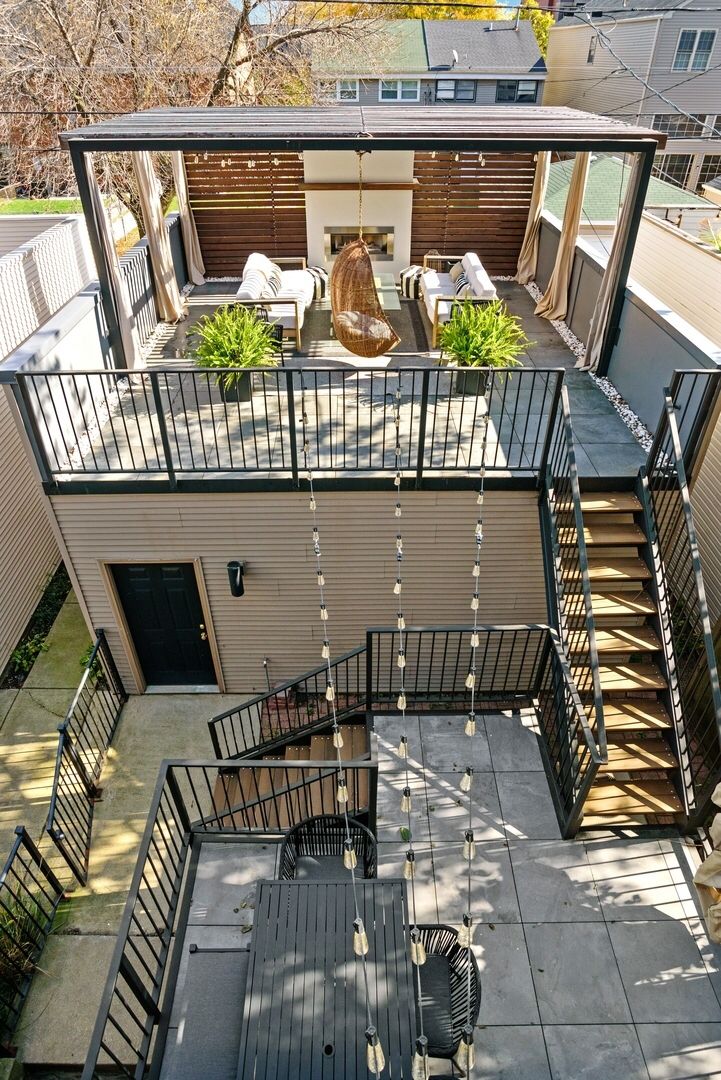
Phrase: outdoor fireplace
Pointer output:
(379, 239)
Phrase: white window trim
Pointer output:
(697, 31)
(398, 97)
(455, 79)
(357, 89)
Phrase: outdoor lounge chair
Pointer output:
(444, 989)
(313, 849)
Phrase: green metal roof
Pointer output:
(606, 187)
(395, 46)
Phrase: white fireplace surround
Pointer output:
(337, 210)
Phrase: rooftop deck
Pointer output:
(172, 422)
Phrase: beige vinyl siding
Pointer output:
(271, 532)
(598, 87)
(28, 552)
(680, 273)
(706, 505)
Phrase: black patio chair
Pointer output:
(444, 989)
(313, 849)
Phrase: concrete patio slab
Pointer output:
(575, 974)
(508, 991)
(390, 817)
(527, 806)
(663, 972)
(7, 697)
(633, 880)
(510, 1053)
(60, 665)
(226, 881)
(586, 1052)
(513, 743)
(453, 752)
(553, 881)
(681, 1051)
(448, 807)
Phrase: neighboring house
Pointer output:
(437, 61)
(677, 52)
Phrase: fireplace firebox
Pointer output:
(379, 239)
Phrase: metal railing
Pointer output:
(684, 618)
(192, 800)
(84, 738)
(29, 897)
(568, 574)
(298, 705)
(176, 424)
(695, 395)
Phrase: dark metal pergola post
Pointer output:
(77, 156)
(638, 195)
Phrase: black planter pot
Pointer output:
(240, 389)
(472, 381)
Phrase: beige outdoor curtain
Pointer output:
(167, 294)
(193, 255)
(118, 285)
(602, 311)
(526, 269)
(554, 302)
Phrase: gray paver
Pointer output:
(633, 880)
(514, 746)
(681, 1051)
(508, 993)
(589, 1052)
(527, 806)
(553, 881)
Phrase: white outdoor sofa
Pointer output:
(438, 289)
(285, 294)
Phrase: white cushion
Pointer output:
(440, 284)
(298, 283)
(470, 261)
(252, 286)
(478, 279)
(257, 261)
(285, 316)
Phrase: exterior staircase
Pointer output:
(280, 798)
(636, 786)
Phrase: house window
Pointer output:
(399, 90)
(346, 90)
(523, 90)
(592, 50)
(693, 50)
(710, 169)
(456, 90)
(673, 167)
(681, 127)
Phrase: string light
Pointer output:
(403, 746)
(375, 1057)
(467, 779)
(421, 1066)
(465, 934)
(418, 949)
(406, 800)
(409, 866)
(469, 846)
(465, 1057)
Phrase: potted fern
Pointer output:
(479, 337)
(235, 336)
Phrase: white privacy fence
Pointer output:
(41, 275)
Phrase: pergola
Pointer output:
(453, 130)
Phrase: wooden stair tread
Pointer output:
(614, 569)
(639, 756)
(598, 502)
(630, 678)
(622, 604)
(596, 535)
(297, 753)
(640, 714)
(630, 799)
(632, 639)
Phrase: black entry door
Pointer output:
(163, 612)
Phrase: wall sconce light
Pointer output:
(236, 570)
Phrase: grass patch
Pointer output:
(40, 206)
(32, 643)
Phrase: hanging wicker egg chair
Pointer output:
(359, 321)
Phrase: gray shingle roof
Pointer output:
(591, 6)
(482, 46)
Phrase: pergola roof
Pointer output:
(383, 127)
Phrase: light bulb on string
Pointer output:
(421, 1066)
(324, 613)
(409, 866)
(479, 530)
(470, 728)
(469, 846)
(397, 480)
(406, 801)
(418, 949)
(397, 587)
(401, 658)
(475, 639)
(401, 621)
(337, 738)
(402, 702)
(325, 650)
(403, 746)
(465, 1057)
(341, 792)
(476, 572)
(479, 498)
(399, 542)
(329, 692)
(360, 938)
(398, 510)
(350, 859)
(312, 504)
(470, 680)
(466, 779)
(475, 602)
(375, 1058)
(465, 931)
(321, 578)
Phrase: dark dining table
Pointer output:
(305, 1013)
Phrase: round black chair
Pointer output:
(444, 989)
(314, 849)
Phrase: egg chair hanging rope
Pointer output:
(359, 320)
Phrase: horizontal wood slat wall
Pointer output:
(239, 207)
(472, 205)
